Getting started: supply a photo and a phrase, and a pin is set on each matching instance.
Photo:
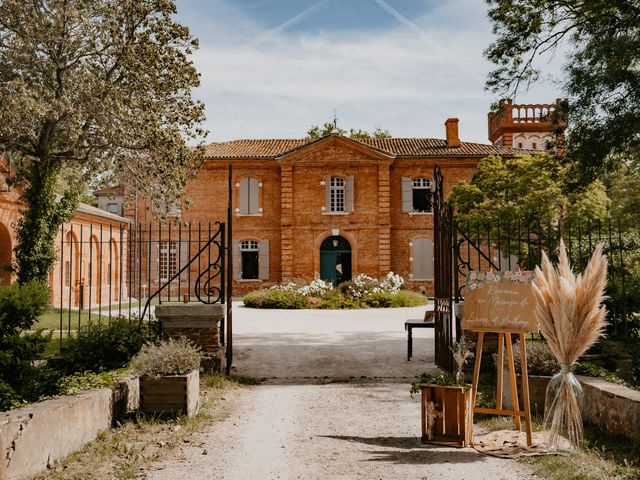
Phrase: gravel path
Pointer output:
(332, 431)
(298, 425)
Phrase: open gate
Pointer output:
(443, 231)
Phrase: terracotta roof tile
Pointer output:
(400, 147)
(117, 190)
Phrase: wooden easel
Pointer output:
(504, 337)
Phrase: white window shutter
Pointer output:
(237, 261)
(263, 260)
(154, 268)
(407, 195)
(349, 194)
(184, 256)
(428, 259)
(418, 272)
(254, 195)
(244, 196)
(327, 194)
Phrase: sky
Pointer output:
(273, 68)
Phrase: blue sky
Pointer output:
(272, 68)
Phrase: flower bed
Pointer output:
(361, 292)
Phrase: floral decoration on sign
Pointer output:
(475, 279)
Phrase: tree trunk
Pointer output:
(42, 215)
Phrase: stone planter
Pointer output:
(171, 395)
(454, 418)
(537, 393)
(199, 323)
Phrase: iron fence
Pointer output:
(519, 244)
(124, 271)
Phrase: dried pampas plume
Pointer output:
(571, 316)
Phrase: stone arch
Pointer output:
(6, 250)
(71, 268)
(114, 269)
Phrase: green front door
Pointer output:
(335, 260)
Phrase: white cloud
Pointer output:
(281, 83)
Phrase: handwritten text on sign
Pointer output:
(499, 301)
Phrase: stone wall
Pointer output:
(33, 437)
(611, 408)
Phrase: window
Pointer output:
(113, 208)
(168, 259)
(534, 145)
(250, 260)
(422, 255)
(422, 195)
(249, 196)
(337, 195)
(417, 195)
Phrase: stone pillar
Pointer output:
(199, 323)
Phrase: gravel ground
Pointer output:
(332, 431)
(300, 425)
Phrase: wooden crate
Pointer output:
(453, 426)
(174, 395)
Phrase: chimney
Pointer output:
(451, 125)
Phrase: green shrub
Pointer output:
(540, 359)
(404, 298)
(106, 346)
(20, 307)
(76, 383)
(273, 298)
(169, 357)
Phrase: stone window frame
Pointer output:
(331, 191)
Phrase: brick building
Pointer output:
(92, 265)
(332, 207)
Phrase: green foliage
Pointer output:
(104, 84)
(445, 380)
(169, 357)
(106, 346)
(362, 292)
(540, 359)
(601, 45)
(589, 369)
(275, 299)
(78, 382)
(328, 128)
(404, 298)
(20, 306)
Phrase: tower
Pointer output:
(529, 126)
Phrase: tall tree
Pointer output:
(104, 85)
(601, 43)
(330, 127)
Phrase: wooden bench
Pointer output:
(409, 325)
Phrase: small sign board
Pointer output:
(499, 302)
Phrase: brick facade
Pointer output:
(293, 219)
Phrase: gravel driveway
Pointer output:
(294, 345)
(300, 425)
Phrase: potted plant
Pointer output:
(169, 377)
(541, 366)
(446, 403)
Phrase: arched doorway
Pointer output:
(5, 255)
(335, 259)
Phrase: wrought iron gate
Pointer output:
(443, 269)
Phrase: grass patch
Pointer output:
(602, 457)
(122, 452)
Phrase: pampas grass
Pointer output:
(571, 316)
